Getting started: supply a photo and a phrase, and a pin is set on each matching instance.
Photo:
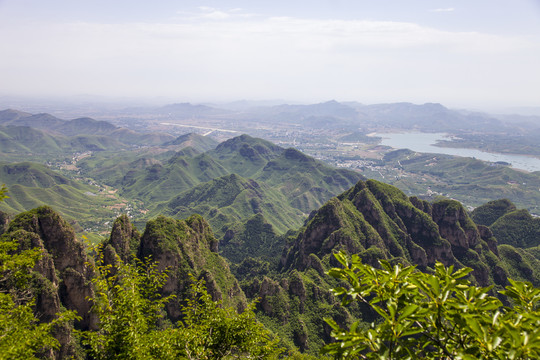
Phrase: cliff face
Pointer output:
(63, 254)
(124, 241)
(61, 276)
(379, 221)
(188, 248)
(376, 221)
(185, 249)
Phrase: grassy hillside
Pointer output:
(154, 181)
(471, 181)
(306, 182)
(244, 155)
(31, 185)
(111, 167)
(26, 143)
(295, 181)
(198, 142)
(80, 134)
(23, 139)
(229, 199)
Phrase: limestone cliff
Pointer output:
(62, 275)
(184, 248)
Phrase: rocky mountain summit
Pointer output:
(186, 249)
(372, 219)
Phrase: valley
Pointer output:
(256, 202)
(304, 180)
(125, 142)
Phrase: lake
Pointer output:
(424, 142)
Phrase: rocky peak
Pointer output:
(188, 248)
(377, 221)
(57, 239)
(313, 239)
(61, 275)
(124, 238)
(455, 225)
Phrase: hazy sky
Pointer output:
(470, 53)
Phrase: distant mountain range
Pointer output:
(253, 219)
(333, 114)
(228, 183)
(54, 135)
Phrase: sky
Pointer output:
(461, 53)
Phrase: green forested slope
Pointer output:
(307, 182)
(471, 181)
(376, 221)
(488, 213)
(372, 219)
(227, 200)
(31, 185)
(244, 155)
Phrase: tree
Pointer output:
(132, 325)
(439, 315)
(129, 307)
(211, 331)
(22, 336)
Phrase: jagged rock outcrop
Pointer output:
(454, 224)
(61, 275)
(370, 216)
(188, 248)
(377, 220)
(487, 235)
(58, 241)
(4, 221)
(124, 241)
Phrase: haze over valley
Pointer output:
(256, 202)
(246, 179)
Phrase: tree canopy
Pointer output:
(22, 335)
(437, 315)
(133, 326)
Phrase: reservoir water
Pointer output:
(425, 143)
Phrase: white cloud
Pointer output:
(211, 13)
(207, 12)
(442, 10)
(241, 56)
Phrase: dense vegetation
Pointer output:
(254, 278)
(471, 181)
(437, 315)
(416, 316)
(22, 334)
(131, 314)
(374, 220)
(83, 203)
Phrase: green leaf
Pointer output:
(407, 311)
